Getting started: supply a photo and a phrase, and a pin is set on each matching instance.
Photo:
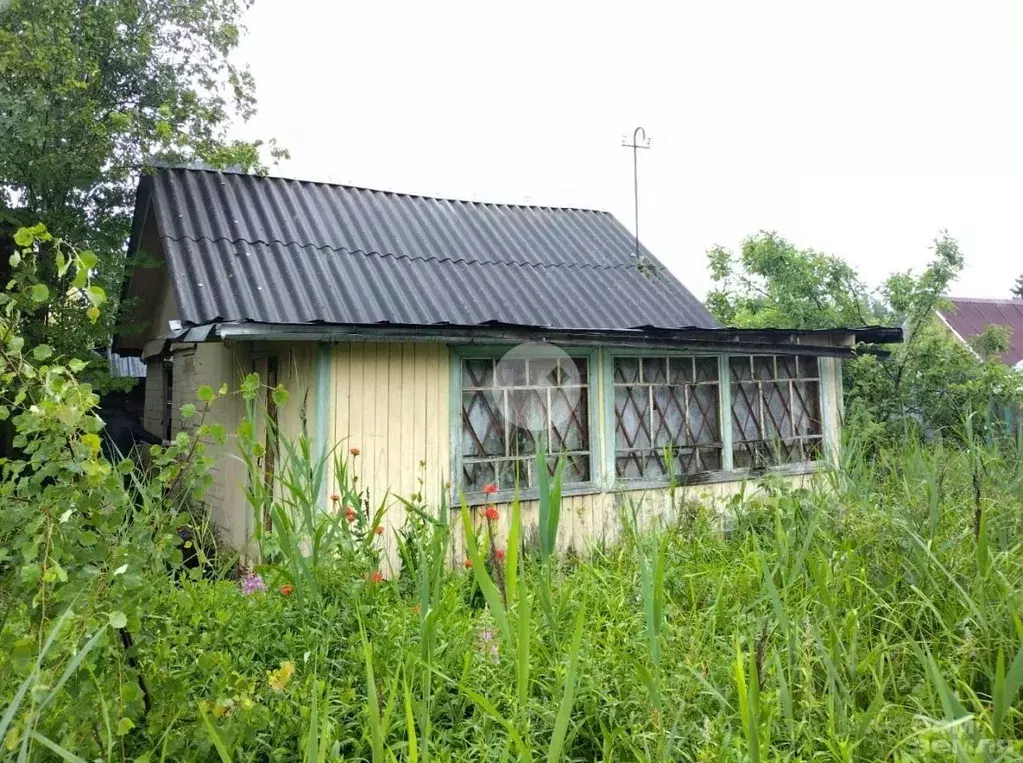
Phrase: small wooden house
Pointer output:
(448, 340)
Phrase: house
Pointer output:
(966, 318)
(448, 340)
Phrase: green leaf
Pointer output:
(118, 620)
(77, 366)
(205, 393)
(124, 726)
(568, 698)
(187, 411)
(23, 237)
(15, 259)
(88, 259)
(218, 743)
(40, 293)
(96, 295)
(56, 748)
(93, 314)
(280, 396)
(42, 352)
(479, 570)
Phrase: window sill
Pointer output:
(711, 478)
(531, 494)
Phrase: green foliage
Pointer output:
(93, 94)
(930, 383)
(773, 284)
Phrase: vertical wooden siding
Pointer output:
(391, 402)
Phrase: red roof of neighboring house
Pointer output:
(969, 317)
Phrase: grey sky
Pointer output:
(862, 129)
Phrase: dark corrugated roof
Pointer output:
(969, 317)
(271, 250)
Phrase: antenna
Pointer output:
(639, 140)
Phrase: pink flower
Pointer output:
(467, 563)
(500, 554)
(350, 514)
(379, 530)
(375, 576)
(252, 583)
(491, 514)
(490, 489)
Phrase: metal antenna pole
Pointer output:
(639, 140)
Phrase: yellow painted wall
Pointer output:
(391, 402)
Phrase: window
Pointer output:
(776, 413)
(511, 407)
(666, 416)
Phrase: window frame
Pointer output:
(728, 472)
(594, 391)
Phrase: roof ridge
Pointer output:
(366, 189)
(409, 258)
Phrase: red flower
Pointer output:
(467, 563)
(335, 497)
(500, 554)
(491, 514)
(490, 489)
(354, 451)
(350, 514)
(380, 530)
(375, 576)
(287, 589)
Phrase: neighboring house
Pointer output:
(390, 317)
(966, 318)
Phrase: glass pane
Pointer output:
(706, 369)
(763, 367)
(655, 370)
(704, 406)
(740, 368)
(573, 370)
(628, 466)
(482, 425)
(626, 370)
(569, 422)
(809, 367)
(632, 420)
(527, 412)
(806, 404)
(478, 373)
(680, 370)
(511, 372)
(515, 473)
(710, 459)
(745, 412)
(786, 366)
(576, 468)
(477, 474)
(777, 417)
(669, 415)
(542, 372)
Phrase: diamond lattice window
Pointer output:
(512, 407)
(667, 416)
(776, 410)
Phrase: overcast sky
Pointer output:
(862, 131)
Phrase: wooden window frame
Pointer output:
(592, 486)
(728, 472)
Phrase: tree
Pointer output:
(771, 283)
(930, 381)
(91, 93)
(1017, 289)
